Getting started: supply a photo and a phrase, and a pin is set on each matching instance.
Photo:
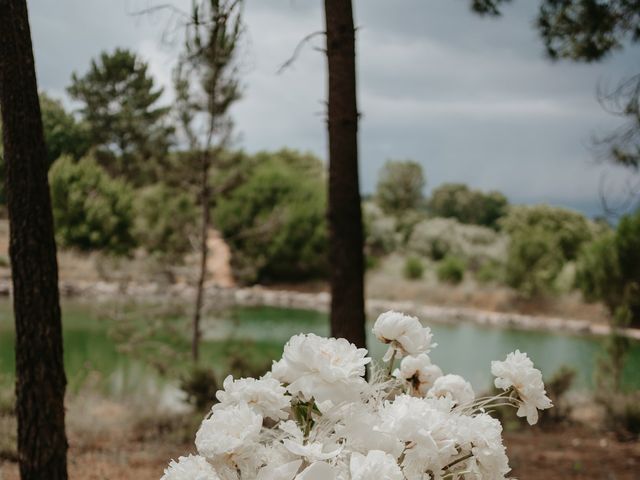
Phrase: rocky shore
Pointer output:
(261, 296)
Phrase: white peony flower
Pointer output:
(424, 425)
(405, 335)
(377, 464)
(279, 472)
(193, 467)
(266, 396)
(318, 471)
(325, 369)
(311, 451)
(517, 371)
(228, 430)
(356, 429)
(454, 387)
(481, 435)
(359, 430)
(418, 372)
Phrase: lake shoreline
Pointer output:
(260, 296)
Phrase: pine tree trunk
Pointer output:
(204, 253)
(345, 214)
(40, 377)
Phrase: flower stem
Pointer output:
(391, 360)
(455, 462)
(308, 420)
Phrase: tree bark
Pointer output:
(346, 256)
(40, 377)
(205, 194)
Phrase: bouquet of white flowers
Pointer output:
(314, 416)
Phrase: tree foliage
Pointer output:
(63, 134)
(587, 30)
(457, 200)
(92, 210)
(400, 185)
(274, 221)
(165, 219)
(120, 108)
(543, 239)
(207, 84)
(609, 269)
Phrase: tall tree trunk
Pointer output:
(40, 377)
(345, 214)
(204, 253)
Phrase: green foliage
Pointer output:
(609, 269)
(543, 240)
(92, 211)
(413, 268)
(456, 200)
(598, 273)
(206, 79)
(534, 260)
(200, 387)
(400, 185)
(487, 7)
(587, 30)
(274, 221)
(380, 233)
(119, 106)
(63, 134)
(451, 269)
(570, 229)
(436, 238)
(490, 272)
(164, 219)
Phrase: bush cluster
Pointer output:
(274, 221)
(542, 240)
(91, 210)
(457, 200)
(608, 269)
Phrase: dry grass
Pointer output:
(387, 282)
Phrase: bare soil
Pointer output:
(566, 453)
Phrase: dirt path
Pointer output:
(219, 261)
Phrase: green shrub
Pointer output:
(438, 237)
(274, 220)
(543, 240)
(400, 186)
(457, 200)
(379, 231)
(92, 211)
(413, 268)
(164, 219)
(451, 270)
(608, 268)
(534, 260)
(490, 272)
(200, 387)
(569, 229)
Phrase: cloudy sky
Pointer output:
(472, 99)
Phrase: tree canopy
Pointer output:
(120, 107)
(400, 185)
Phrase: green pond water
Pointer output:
(95, 352)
